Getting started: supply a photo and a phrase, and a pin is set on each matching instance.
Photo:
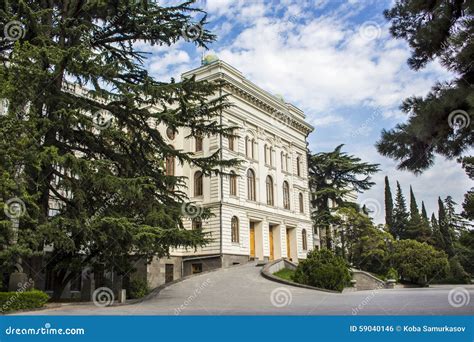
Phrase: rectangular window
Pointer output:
(198, 144)
(196, 268)
(169, 272)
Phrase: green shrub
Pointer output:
(456, 273)
(392, 274)
(419, 262)
(323, 269)
(138, 288)
(11, 301)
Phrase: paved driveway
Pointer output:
(240, 290)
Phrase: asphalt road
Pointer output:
(241, 290)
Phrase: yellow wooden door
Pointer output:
(270, 232)
(252, 240)
(288, 248)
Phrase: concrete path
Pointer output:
(241, 290)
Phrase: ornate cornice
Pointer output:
(281, 115)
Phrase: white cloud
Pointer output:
(326, 120)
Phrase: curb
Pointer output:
(266, 274)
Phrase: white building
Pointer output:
(262, 210)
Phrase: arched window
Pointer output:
(269, 185)
(304, 239)
(233, 183)
(251, 185)
(234, 227)
(198, 183)
(286, 195)
(198, 140)
(197, 223)
(301, 200)
(170, 133)
(298, 167)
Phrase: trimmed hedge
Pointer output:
(323, 269)
(11, 301)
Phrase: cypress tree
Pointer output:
(424, 215)
(400, 215)
(388, 206)
(437, 239)
(416, 228)
(444, 229)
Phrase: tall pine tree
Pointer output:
(84, 143)
(400, 215)
(388, 206)
(442, 121)
(333, 175)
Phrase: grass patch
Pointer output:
(285, 273)
(11, 301)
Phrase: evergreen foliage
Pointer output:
(81, 131)
(332, 176)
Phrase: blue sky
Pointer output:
(336, 61)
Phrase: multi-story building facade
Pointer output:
(261, 208)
